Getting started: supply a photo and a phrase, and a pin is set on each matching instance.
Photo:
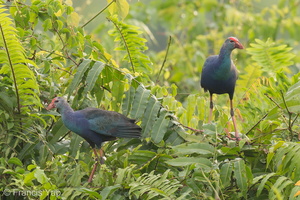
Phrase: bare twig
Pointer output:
(273, 100)
(165, 58)
(290, 114)
(257, 123)
(192, 129)
(101, 11)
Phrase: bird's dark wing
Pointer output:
(208, 70)
(111, 123)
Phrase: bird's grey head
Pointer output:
(232, 43)
(57, 102)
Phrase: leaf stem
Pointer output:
(12, 69)
(101, 11)
(165, 58)
(125, 44)
(290, 114)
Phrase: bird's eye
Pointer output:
(56, 101)
(231, 41)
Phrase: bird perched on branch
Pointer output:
(95, 126)
(219, 75)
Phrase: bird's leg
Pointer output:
(234, 121)
(211, 106)
(98, 160)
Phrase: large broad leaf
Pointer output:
(185, 161)
(74, 145)
(225, 174)
(160, 126)
(292, 98)
(240, 176)
(150, 116)
(140, 102)
(278, 189)
(198, 148)
(117, 91)
(263, 182)
(92, 77)
(173, 135)
(127, 102)
(120, 7)
(107, 191)
(58, 131)
(78, 76)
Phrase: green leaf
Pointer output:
(225, 174)
(140, 102)
(127, 101)
(92, 77)
(191, 148)
(120, 7)
(78, 76)
(74, 145)
(40, 176)
(240, 175)
(160, 126)
(108, 190)
(263, 182)
(90, 192)
(150, 116)
(185, 161)
(58, 131)
(15, 161)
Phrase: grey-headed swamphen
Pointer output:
(219, 75)
(95, 126)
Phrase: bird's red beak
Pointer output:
(238, 45)
(51, 105)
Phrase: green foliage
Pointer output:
(128, 36)
(150, 186)
(15, 66)
(271, 56)
(46, 52)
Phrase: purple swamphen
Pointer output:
(219, 75)
(95, 125)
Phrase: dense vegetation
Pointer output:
(143, 59)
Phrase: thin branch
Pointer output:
(286, 107)
(101, 11)
(165, 58)
(257, 123)
(273, 100)
(192, 129)
(290, 114)
(12, 69)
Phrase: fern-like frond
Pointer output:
(271, 56)
(133, 44)
(15, 65)
(151, 186)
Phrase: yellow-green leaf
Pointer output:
(119, 7)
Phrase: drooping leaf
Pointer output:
(160, 126)
(184, 161)
(240, 175)
(197, 148)
(150, 116)
(92, 77)
(140, 102)
(78, 76)
(225, 174)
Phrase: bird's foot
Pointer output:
(237, 138)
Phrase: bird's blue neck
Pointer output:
(224, 63)
(65, 110)
(225, 54)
